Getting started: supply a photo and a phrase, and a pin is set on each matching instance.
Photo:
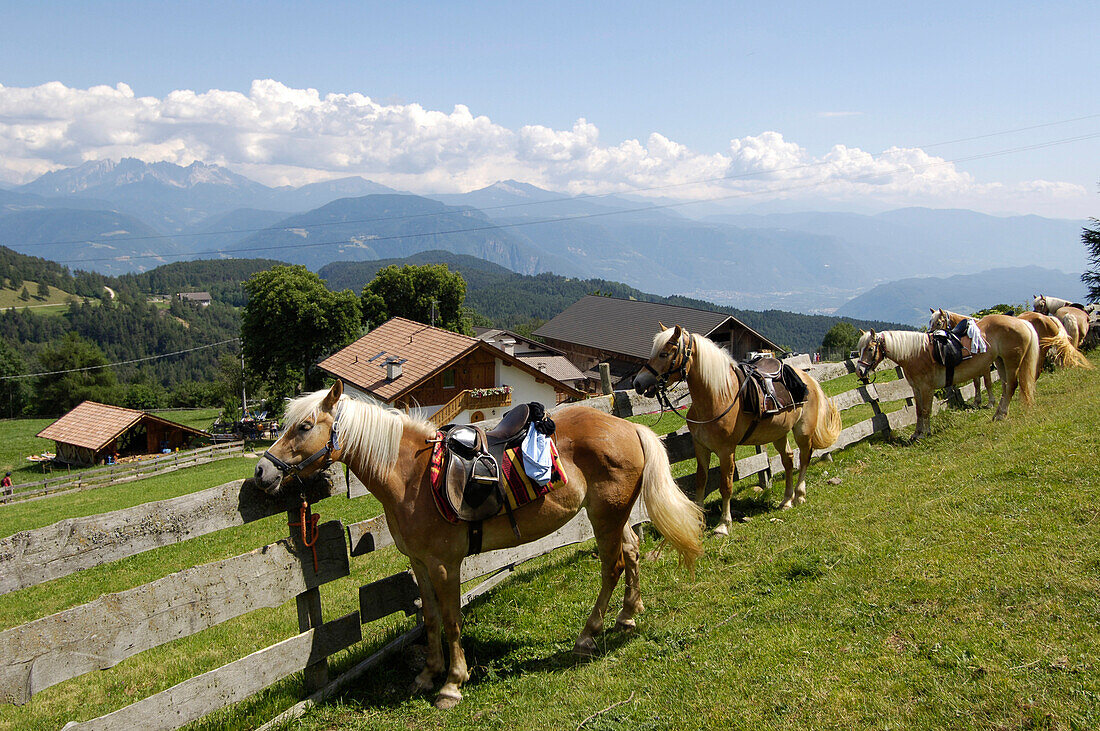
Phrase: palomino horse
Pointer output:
(1075, 319)
(1054, 342)
(1013, 347)
(608, 463)
(718, 424)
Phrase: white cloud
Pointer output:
(280, 135)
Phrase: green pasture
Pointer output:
(952, 583)
(55, 303)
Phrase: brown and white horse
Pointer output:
(1013, 346)
(718, 424)
(609, 462)
(1075, 319)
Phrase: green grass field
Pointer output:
(55, 303)
(954, 583)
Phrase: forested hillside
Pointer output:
(521, 301)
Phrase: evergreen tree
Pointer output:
(25, 295)
(75, 371)
(1090, 237)
(43, 289)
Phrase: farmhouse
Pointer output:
(195, 298)
(619, 332)
(440, 375)
(92, 432)
(550, 361)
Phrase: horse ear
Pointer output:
(661, 325)
(933, 311)
(333, 395)
(676, 333)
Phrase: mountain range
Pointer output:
(127, 216)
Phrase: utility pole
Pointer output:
(433, 311)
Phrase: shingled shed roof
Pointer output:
(422, 350)
(627, 326)
(94, 425)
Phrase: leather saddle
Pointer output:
(949, 349)
(471, 468)
(769, 386)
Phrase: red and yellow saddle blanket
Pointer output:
(519, 489)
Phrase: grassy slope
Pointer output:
(920, 592)
(955, 583)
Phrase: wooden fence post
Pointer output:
(314, 676)
(605, 378)
(765, 475)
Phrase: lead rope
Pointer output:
(308, 520)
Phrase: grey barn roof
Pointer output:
(627, 326)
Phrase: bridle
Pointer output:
(324, 453)
(684, 352)
(879, 347)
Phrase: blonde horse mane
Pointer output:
(366, 428)
(714, 365)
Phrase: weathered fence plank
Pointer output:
(369, 535)
(396, 593)
(114, 627)
(196, 697)
(33, 556)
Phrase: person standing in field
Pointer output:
(5, 484)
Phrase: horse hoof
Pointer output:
(445, 701)
(785, 505)
(625, 625)
(721, 530)
(585, 648)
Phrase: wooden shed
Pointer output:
(92, 432)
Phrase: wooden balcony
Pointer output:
(467, 400)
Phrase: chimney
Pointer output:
(508, 346)
(393, 369)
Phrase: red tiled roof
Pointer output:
(424, 349)
(93, 425)
(556, 366)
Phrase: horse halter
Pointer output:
(683, 352)
(879, 347)
(325, 453)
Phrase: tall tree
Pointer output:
(1090, 237)
(843, 336)
(410, 291)
(291, 320)
(14, 392)
(75, 370)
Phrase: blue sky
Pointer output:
(868, 76)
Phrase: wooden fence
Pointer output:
(126, 472)
(101, 633)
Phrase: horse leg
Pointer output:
(632, 597)
(805, 452)
(432, 626)
(702, 467)
(446, 582)
(924, 411)
(727, 466)
(988, 389)
(1008, 387)
(609, 541)
(787, 457)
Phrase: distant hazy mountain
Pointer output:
(931, 242)
(510, 199)
(102, 241)
(228, 229)
(173, 198)
(908, 300)
(385, 226)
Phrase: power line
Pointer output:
(505, 206)
(121, 362)
(600, 214)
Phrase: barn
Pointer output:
(95, 433)
(619, 332)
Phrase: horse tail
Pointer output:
(828, 425)
(1064, 352)
(678, 518)
(1028, 367)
